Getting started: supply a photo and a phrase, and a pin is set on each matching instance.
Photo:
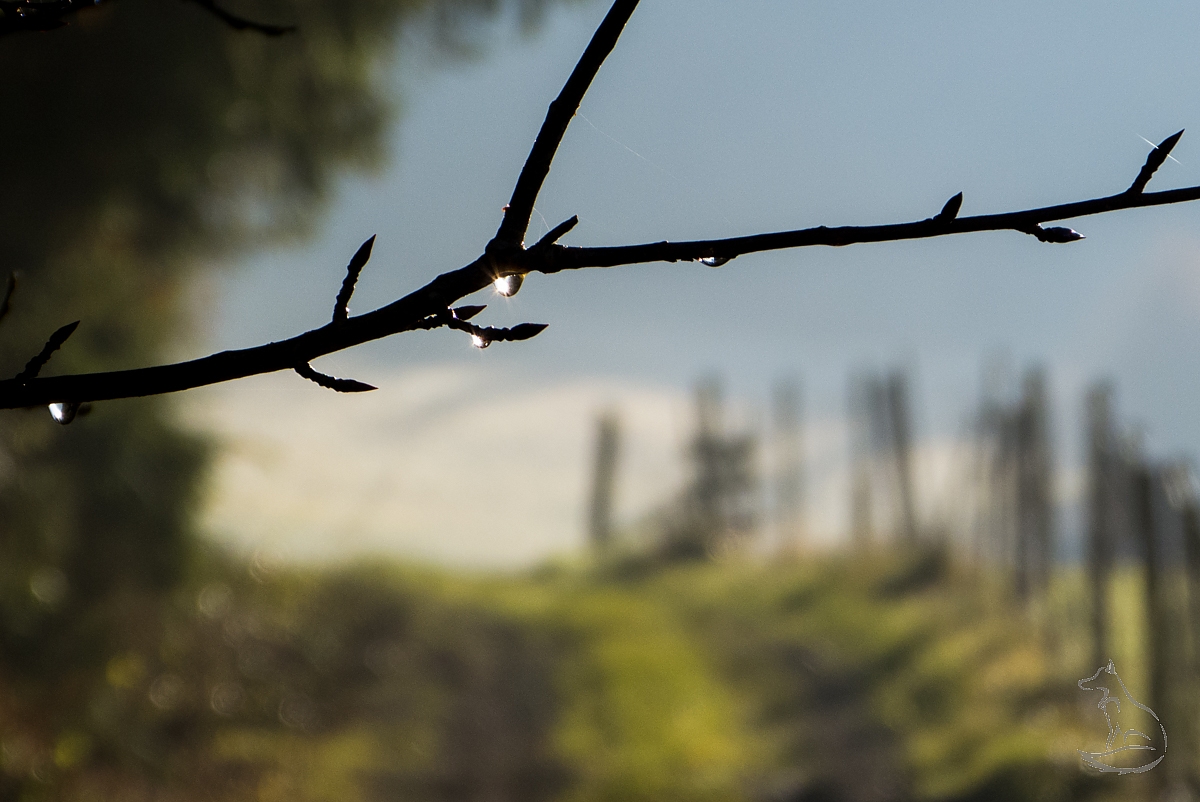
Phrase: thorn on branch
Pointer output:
(483, 336)
(1154, 160)
(1054, 234)
(521, 331)
(950, 210)
(556, 233)
(34, 366)
(341, 307)
(331, 382)
(9, 288)
(467, 312)
(241, 23)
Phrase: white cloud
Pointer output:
(446, 464)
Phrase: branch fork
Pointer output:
(506, 261)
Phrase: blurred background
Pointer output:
(815, 525)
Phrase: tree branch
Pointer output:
(241, 23)
(47, 15)
(719, 251)
(34, 366)
(332, 382)
(21, 15)
(10, 287)
(341, 306)
(1153, 161)
(558, 117)
(505, 260)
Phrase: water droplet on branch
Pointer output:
(479, 341)
(715, 261)
(508, 286)
(64, 411)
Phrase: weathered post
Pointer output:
(789, 466)
(604, 475)
(1100, 535)
(861, 459)
(1144, 480)
(901, 429)
(1034, 489)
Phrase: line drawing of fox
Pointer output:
(1095, 760)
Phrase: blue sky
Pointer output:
(716, 118)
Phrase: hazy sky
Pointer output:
(719, 118)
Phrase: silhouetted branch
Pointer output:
(1153, 161)
(331, 382)
(556, 233)
(483, 336)
(47, 15)
(10, 287)
(241, 23)
(951, 209)
(558, 117)
(506, 260)
(22, 15)
(34, 366)
(341, 306)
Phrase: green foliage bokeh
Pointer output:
(143, 142)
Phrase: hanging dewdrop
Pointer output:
(64, 411)
(506, 260)
(509, 285)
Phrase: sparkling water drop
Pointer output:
(479, 341)
(64, 411)
(715, 261)
(509, 285)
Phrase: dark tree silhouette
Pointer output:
(506, 260)
(46, 15)
(147, 128)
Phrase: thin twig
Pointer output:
(558, 117)
(1028, 222)
(332, 382)
(241, 23)
(10, 287)
(1153, 161)
(341, 306)
(432, 306)
(34, 366)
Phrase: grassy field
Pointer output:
(875, 678)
